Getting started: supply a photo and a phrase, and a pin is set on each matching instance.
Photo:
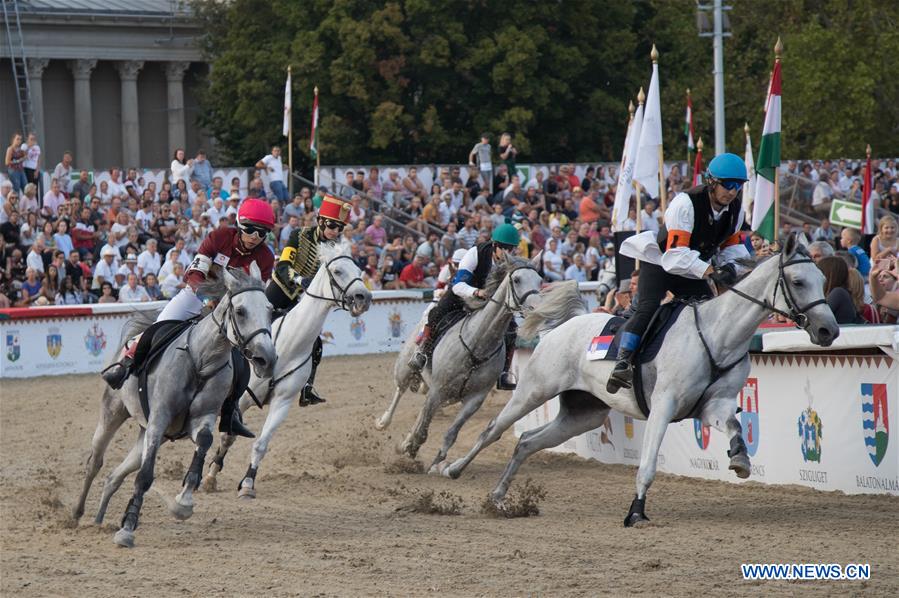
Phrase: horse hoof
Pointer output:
(740, 465)
(246, 493)
(408, 449)
(382, 424)
(452, 472)
(181, 512)
(209, 483)
(636, 520)
(77, 513)
(124, 538)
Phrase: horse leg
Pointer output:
(576, 416)
(277, 413)
(183, 507)
(152, 440)
(386, 418)
(659, 418)
(129, 465)
(525, 398)
(218, 462)
(721, 413)
(419, 433)
(469, 406)
(112, 415)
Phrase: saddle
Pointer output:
(445, 323)
(153, 343)
(662, 321)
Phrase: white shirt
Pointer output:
(107, 271)
(447, 213)
(170, 286)
(552, 261)
(456, 199)
(117, 228)
(116, 188)
(180, 172)
(32, 155)
(648, 222)
(149, 263)
(63, 176)
(165, 270)
(135, 295)
(35, 262)
(145, 218)
(467, 265)
(572, 272)
(277, 169)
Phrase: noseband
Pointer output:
(336, 290)
(242, 341)
(795, 313)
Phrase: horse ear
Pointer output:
(535, 261)
(255, 272)
(790, 246)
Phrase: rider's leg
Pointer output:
(511, 337)
(446, 304)
(651, 289)
(308, 396)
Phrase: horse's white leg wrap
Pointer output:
(659, 418)
(184, 305)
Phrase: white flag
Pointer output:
(749, 187)
(287, 106)
(646, 167)
(626, 174)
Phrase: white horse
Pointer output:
(337, 283)
(701, 366)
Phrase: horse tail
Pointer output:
(559, 303)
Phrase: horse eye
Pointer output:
(797, 283)
(241, 311)
(338, 272)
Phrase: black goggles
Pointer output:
(334, 225)
(254, 229)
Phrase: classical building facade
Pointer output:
(113, 81)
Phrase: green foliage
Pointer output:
(419, 80)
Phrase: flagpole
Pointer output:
(690, 104)
(663, 187)
(778, 51)
(641, 99)
(290, 139)
(318, 161)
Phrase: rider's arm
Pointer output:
(464, 274)
(678, 258)
(284, 268)
(199, 267)
(733, 249)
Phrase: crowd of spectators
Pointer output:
(127, 240)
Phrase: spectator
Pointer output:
(650, 217)
(884, 283)
(181, 168)
(822, 195)
(104, 271)
(62, 174)
(31, 288)
(412, 276)
(62, 238)
(69, 293)
(28, 204)
(552, 261)
(49, 287)
(357, 212)
(412, 185)
(35, 259)
(836, 291)
(272, 165)
(885, 243)
(202, 171)
(133, 292)
(508, 153)
(106, 294)
(11, 230)
(372, 186)
(32, 163)
(824, 232)
(15, 163)
(151, 285)
(174, 280)
(73, 269)
(481, 156)
(820, 249)
(577, 270)
(849, 238)
(52, 200)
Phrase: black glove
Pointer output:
(725, 276)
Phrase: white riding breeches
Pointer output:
(184, 305)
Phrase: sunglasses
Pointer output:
(254, 229)
(731, 184)
(334, 225)
(506, 247)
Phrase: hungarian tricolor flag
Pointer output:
(768, 162)
(867, 205)
(688, 124)
(313, 135)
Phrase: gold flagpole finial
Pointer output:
(868, 150)
(688, 92)
(641, 97)
(746, 128)
(630, 108)
(778, 48)
(654, 54)
(699, 144)
(288, 69)
(315, 91)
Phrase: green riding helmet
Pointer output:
(506, 234)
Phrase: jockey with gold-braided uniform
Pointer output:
(297, 266)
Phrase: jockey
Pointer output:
(298, 264)
(236, 248)
(447, 273)
(700, 224)
(473, 269)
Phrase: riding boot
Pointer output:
(623, 374)
(308, 396)
(231, 421)
(116, 374)
(420, 359)
(504, 383)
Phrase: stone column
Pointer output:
(174, 76)
(84, 124)
(36, 68)
(130, 121)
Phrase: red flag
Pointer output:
(867, 205)
(697, 166)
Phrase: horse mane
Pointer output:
(328, 251)
(559, 303)
(215, 288)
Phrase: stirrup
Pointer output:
(308, 397)
(503, 382)
(620, 378)
(235, 427)
(116, 374)
(418, 361)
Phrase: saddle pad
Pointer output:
(605, 344)
(447, 322)
(658, 328)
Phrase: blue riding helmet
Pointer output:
(727, 167)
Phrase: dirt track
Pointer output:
(329, 521)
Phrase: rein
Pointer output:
(518, 307)
(229, 317)
(341, 303)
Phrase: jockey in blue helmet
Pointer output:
(702, 224)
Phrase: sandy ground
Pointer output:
(329, 521)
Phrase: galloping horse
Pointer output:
(186, 387)
(699, 369)
(337, 283)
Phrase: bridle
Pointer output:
(336, 289)
(242, 341)
(795, 313)
(518, 305)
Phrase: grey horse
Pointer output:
(469, 358)
(698, 372)
(186, 388)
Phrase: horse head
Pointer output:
(245, 316)
(524, 281)
(346, 288)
